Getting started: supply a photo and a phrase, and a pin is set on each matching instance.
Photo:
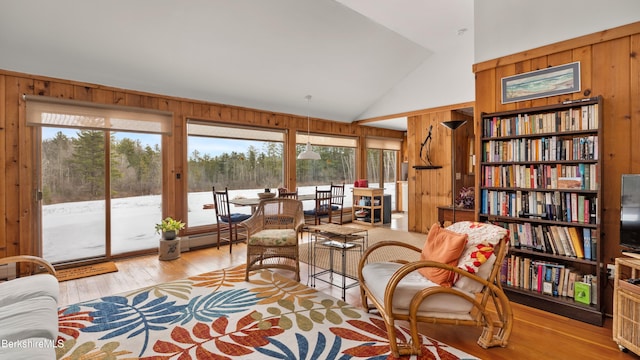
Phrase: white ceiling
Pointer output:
(264, 54)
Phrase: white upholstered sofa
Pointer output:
(28, 310)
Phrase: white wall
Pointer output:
(500, 28)
(446, 76)
(504, 27)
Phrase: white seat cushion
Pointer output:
(33, 317)
(274, 237)
(377, 275)
(28, 287)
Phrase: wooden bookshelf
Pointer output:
(540, 174)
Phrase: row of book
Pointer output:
(567, 241)
(574, 119)
(542, 176)
(549, 278)
(546, 205)
(541, 149)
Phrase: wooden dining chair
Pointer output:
(322, 210)
(283, 193)
(227, 228)
(337, 201)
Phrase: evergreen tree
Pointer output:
(88, 163)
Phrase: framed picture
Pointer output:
(557, 80)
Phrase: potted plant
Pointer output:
(169, 228)
(466, 198)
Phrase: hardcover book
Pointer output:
(586, 239)
(582, 292)
(570, 183)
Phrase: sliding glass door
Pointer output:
(136, 191)
(101, 193)
(73, 210)
(100, 172)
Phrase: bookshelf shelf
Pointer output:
(550, 256)
(540, 170)
(540, 162)
(557, 305)
(541, 190)
(537, 221)
(525, 136)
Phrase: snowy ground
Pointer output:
(77, 230)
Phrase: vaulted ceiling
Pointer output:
(352, 56)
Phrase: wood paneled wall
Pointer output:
(609, 66)
(18, 175)
(432, 187)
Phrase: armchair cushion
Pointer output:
(25, 288)
(445, 247)
(323, 210)
(33, 317)
(29, 311)
(274, 237)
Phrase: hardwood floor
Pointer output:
(536, 334)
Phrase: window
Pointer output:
(382, 165)
(244, 160)
(336, 164)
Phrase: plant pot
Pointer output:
(169, 249)
(169, 235)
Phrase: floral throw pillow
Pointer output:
(474, 256)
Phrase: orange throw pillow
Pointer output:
(442, 246)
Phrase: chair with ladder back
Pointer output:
(227, 227)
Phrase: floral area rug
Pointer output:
(217, 315)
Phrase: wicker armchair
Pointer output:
(272, 233)
(400, 292)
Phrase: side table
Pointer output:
(445, 213)
(335, 238)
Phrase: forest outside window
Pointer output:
(244, 160)
(337, 164)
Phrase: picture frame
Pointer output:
(556, 80)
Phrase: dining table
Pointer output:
(253, 202)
